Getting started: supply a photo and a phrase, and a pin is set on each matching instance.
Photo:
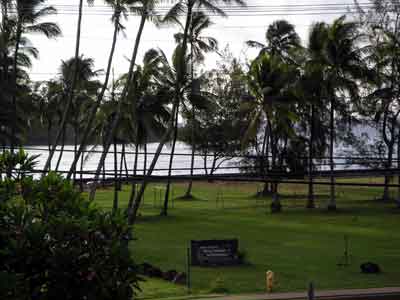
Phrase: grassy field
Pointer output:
(299, 245)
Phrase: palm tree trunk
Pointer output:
(332, 200)
(75, 147)
(132, 214)
(398, 167)
(145, 157)
(311, 200)
(95, 107)
(121, 100)
(188, 194)
(385, 196)
(265, 161)
(81, 173)
(70, 93)
(133, 185)
(61, 150)
(121, 164)
(14, 98)
(164, 211)
(116, 187)
(276, 205)
(49, 139)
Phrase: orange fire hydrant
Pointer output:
(269, 281)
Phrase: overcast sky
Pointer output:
(97, 32)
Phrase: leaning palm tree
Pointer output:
(199, 45)
(28, 20)
(120, 10)
(182, 7)
(146, 10)
(146, 114)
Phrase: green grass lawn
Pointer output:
(299, 245)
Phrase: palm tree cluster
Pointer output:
(289, 104)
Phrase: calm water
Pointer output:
(180, 162)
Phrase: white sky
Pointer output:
(97, 33)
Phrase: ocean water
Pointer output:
(181, 162)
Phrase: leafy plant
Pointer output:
(55, 244)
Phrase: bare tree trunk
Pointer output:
(70, 93)
(92, 113)
(164, 211)
(311, 200)
(332, 200)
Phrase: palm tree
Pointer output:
(272, 82)
(69, 100)
(120, 9)
(189, 8)
(284, 43)
(343, 64)
(198, 46)
(282, 40)
(29, 14)
(9, 132)
(313, 93)
(146, 11)
(147, 112)
(86, 89)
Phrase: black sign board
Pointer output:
(214, 252)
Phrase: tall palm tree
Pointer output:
(282, 40)
(186, 8)
(86, 89)
(189, 9)
(272, 83)
(199, 45)
(146, 12)
(70, 93)
(120, 10)
(28, 20)
(343, 64)
(313, 93)
(11, 126)
(147, 112)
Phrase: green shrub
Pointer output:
(56, 245)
